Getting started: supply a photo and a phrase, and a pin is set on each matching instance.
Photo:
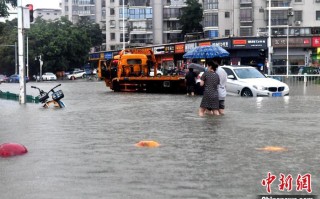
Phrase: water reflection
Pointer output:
(87, 149)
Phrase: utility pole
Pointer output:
(269, 63)
(23, 23)
(22, 69)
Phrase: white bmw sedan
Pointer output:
(248, 81)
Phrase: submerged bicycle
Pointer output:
(56, 97)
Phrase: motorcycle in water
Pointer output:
(56, 97)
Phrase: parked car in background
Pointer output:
(249, 82)
(15, 78)
(49, 77)
(3, 78)
(77, 74)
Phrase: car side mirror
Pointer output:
(231, 77)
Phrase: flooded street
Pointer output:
(87, 150)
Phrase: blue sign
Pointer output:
(95, 56)
(108, 55)
(213, 33)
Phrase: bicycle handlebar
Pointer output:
(51, 90)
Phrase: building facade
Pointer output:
(295, 27)
(47, 14)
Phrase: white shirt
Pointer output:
(223, 81)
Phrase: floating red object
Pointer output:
(147, 143)
(12, 149)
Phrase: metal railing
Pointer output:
(306, 85)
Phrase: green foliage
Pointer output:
(8, 38)
(61, 44)
(4, 7)
(191, 17)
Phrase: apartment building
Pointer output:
(93, 9)
(155, 21)
(47, 14)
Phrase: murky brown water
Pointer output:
(87, 149)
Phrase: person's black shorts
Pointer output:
(221, 104)
(190, 89)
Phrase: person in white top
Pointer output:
(222, 88)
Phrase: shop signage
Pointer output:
(249, 43)
(158, 50)
(208, 43)
(222, 43)
(315, 41)
(179, 48)
(169, 49)
(141, 50)
(108, 55)
(293, 42)
(189, 46)
(94, 56)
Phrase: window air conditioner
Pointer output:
(297, 23)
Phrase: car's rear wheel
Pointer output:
(246, 93)
(73, 78)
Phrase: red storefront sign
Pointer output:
(239, 42)
(315, 41)
(208, 43)
(179, 48)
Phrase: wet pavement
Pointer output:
(87, 150)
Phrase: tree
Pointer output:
(191, 17)
(92, 29)
(8, 38)
(61, 44)
(4, 7)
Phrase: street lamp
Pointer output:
(123, 40)
(287, 50)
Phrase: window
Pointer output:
(245, 14)
(210, 19)
(298, 15)
(227, 14)
(245, 32)
(125, 2)
(125, 13)
(171, 12)
(210, 4)
(111, 11)
(112, 23)
(112, 36)
(126, 36)
(318, 15)
(297, 1)
(226, 32)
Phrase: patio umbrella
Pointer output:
(197, 67)
(206, 52)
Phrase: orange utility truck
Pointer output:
(130, 71)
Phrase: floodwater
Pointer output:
(87, 150)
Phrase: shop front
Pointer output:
(298, 53)
(249, 51)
